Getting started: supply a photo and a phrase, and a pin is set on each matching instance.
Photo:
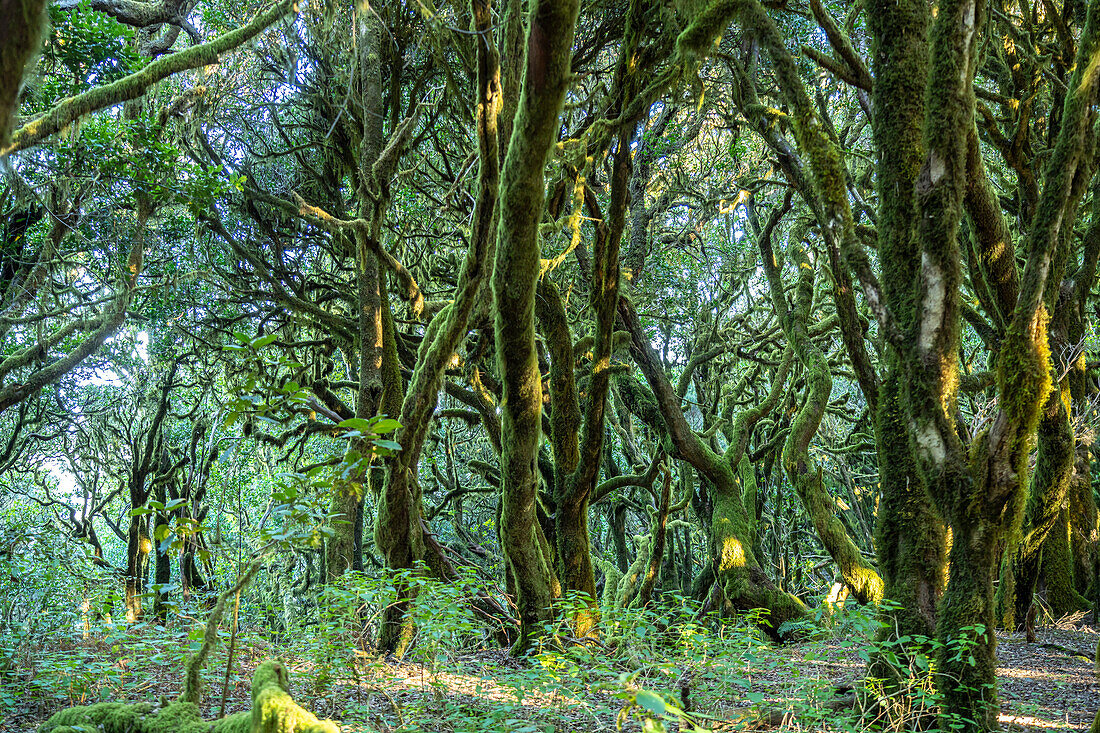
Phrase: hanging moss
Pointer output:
(138, 83)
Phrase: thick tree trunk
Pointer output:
(545, 80)
(966, 665)
(909, 536)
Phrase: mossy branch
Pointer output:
(192, 681)
(136, 84)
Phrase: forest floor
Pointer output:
(738, 684)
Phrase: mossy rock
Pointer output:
(273, 711)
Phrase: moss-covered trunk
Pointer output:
(966, 665)
(545, 79)
(20, 39)
(138, 546)
(399, 529)
(860, 577)
(734, 573)
(162, 568)
(909, 533)
(1057, 570)
(1049, 485)
(343, 551)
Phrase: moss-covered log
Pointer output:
(273, 711)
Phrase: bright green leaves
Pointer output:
(370, 429)
(258, 396)
(85, 49)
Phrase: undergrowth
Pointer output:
(655, 669)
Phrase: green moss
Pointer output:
(111, 717)
(116, 717)
(20, 40)
(273, 711)
(1057, 570)
(138, 83)
(235, 723)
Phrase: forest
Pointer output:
(549, 366)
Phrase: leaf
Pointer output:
(263, 341)
(361, 424)
(388, 444)
(651, 701)
(385, 425)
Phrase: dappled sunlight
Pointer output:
(1029, 721)
(1017, 673)
(409, 677)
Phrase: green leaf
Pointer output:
(385, 425)
(388, 444)
(356, 423)
(651, 701)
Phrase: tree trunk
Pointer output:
(162, 573)
(138, 546)
(545, 80)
